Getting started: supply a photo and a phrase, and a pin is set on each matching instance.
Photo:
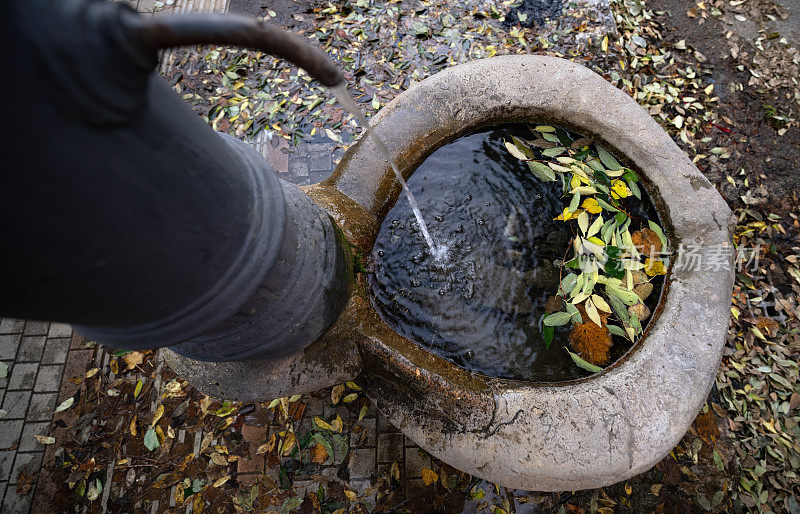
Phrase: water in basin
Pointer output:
(480, 305)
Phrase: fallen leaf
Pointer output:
(44, 439)
(429, 476)
(133, 359)
(319, 454)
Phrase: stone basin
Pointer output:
(572, 435)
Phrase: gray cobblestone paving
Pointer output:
(35, 353)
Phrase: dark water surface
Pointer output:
(480, 305)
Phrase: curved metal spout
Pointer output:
(169, 31)
(128, 216)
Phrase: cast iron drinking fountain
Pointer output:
(127, 216)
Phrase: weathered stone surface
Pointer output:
(587, 433)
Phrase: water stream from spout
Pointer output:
(346, 101)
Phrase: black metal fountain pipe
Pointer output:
(125, 214)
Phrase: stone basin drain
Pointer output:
(570, 435)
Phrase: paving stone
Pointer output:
(3, 486)
(23, 376)
(6, 465)
(298, 167)
(384, 427)
(277, 157)
(385, 471)
(9, 369)
(366, 437)
(10, 431)
(59, 330)
(8, 346)
(55, 351)
(416, 459)
(41, 407)
(320, 162)
(11, 326)
(49, 379)
(390, 447)
(36, 328)
(14, 502)
(255, 463)
(15, 403)
(28, 442)
(31, 461)
(31, 348)
(362, 463)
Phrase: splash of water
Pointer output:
(346, 101)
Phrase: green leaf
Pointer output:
(66, 404)
(120, 353)
(548, 333)
(617, 331)
(582, 363)
(568, 283)
(634, 189)
(523, 147)
(608, 160)
(557, 319)
(151, 439)
(618, 306)
(627, 297)
(660, 233)
(544, 128)
(552, 152)
(291, 504)
(605, 205)
(541, 171)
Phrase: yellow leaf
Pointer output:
(353, 385)
(619, 189)
(604, 44)
(43, 439)
(351, 495)
(591, 205)
(337, 424)
(138, 389)
(133, 425)
(321, 423)
(160, 434)
(628, 489)
(179, 493)
(654, 267)
(92, 372)
(289, 443)
(159, 413)
(221, 481)
(114, 366)
(429, 476)
(219, 459)
(336, 393)
(350, 397)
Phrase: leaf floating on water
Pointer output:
(541, 171)
(582, 363)
(515, 151)
(557, 319)
(609, 160)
